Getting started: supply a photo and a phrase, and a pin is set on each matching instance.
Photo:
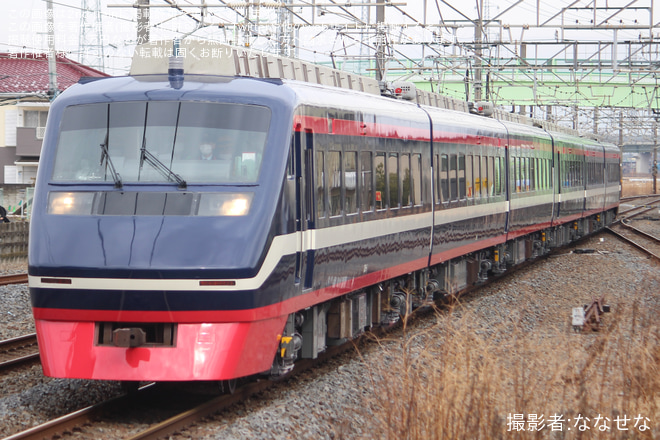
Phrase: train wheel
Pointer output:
(130, 386)
(227, 386)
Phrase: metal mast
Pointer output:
(284, 33)
(90, 41)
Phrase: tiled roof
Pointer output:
(28, 73)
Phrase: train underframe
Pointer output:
(309, 332)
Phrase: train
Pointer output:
(321, 213)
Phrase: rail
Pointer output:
(634, 243)
(84, 419)
(18, 350)
(19, 278)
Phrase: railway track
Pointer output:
(623, 228)
(22, 349)
(76, 421)
(640, 205)
(90, 421)
(643, 241)
(18, 350)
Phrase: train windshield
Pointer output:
(202, 142)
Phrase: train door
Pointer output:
(303, 168)
(508, 178)
(554, 166)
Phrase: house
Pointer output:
(24, 104)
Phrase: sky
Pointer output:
(23, 25)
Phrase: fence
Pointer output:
(14, 242)
(636, 187)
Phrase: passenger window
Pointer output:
(436, 181)
(477, 176)
(366, 185)
(498, 176)
(503, 183)
(453, 181)
(491, 175)
(416, 167)
(461, 176)
(444, 177)
(544, 172)
(350, 181)
(571, 173)
(380, 180)
(333, 183)
(580, 173)
(404, 172)
(484, 176)
(469, 178)
(320, 187)
(393, 172)
(290, 170)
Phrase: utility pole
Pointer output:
(143, 22)
(654, 174)
(478, 40)
(381, 42)
(620, 128)
(52, 60)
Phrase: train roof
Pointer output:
(290, 93)
(215, 58)
(207, 88)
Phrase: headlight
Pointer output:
(225, 204)
(70, 203)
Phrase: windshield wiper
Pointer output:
(105, 155)
(146, 155)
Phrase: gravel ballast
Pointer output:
(328, 403)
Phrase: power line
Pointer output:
(79, 8)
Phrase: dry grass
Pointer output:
(460, 380)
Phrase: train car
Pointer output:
(530, 180)
(210, 228)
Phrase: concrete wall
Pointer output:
(7, 157)
(27, 143)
